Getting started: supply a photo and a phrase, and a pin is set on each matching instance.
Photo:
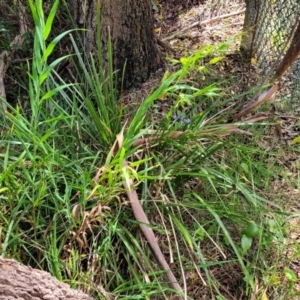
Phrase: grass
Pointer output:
(64, 208)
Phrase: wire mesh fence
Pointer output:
(270, 27)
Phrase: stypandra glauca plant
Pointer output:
(64, 206)
(193, 151)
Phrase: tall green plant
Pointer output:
(41, 51)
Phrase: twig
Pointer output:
(166, 46)
(201, 23)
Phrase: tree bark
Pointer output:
(130, 25)
(252, 7)
(21, 282)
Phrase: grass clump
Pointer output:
(64, 208)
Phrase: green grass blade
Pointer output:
(49, 21)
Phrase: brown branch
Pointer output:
(166, 46)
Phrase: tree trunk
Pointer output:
(21, 282)
(252, 7)
(130, 25)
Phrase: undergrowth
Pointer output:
(64, 208)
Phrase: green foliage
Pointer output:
(63, 206)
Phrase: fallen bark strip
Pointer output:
(201, 23)
(264, 97)
(141, 217)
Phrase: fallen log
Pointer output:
(18, 281)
